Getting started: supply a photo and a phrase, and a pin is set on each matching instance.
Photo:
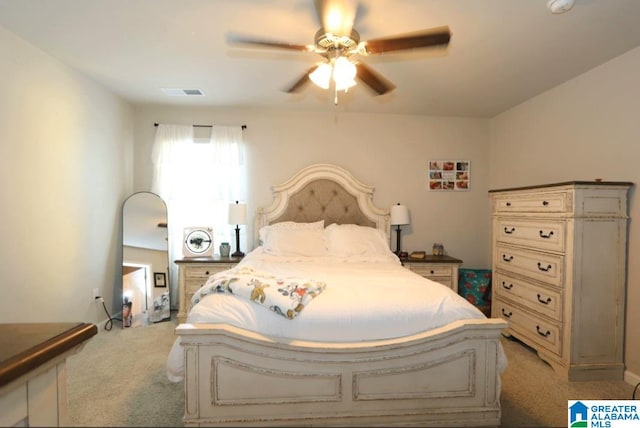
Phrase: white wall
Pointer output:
(64, 141)
(390, 152)
(587, 128)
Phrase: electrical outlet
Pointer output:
(96, 293)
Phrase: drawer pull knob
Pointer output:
(509, 231)
(545, 203)
(507, 287)
(509, 258)
(506, 314)
(544, 269)
(547, 236)
(207, 273)
(543, 301)
(508, 204)
(432, 272)
(546, 334)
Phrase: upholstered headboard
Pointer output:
(323, 192)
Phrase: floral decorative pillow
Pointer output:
(475, 286)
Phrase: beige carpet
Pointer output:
(119, 379)
(533, 396)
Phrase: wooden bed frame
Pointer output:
(443, 377)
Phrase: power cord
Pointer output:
(109, 324)
(633, 396)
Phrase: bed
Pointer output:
(394, 349)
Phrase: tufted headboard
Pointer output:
(323, 192)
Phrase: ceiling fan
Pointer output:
(338, 43)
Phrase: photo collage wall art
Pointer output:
(449, 175)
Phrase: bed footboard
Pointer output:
(445, 377)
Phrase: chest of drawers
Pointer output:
(192, 273)
(559, 273)
(442, 269)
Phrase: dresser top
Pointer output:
(24, 347)
(567, 183)
(430, 258)
(214, 259)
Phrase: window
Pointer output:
(198, 178)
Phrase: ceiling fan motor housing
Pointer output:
(331, 42)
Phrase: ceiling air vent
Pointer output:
(176, 92)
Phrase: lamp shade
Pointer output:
(344, 73)
(399, 215)
(321, 76)
(237, 213)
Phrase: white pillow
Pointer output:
(317, 225)
(350, 239)
(295, 242)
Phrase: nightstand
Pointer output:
(442, 269)
(193, 272)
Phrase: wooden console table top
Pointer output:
(25, 346)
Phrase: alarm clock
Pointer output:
(197, 242)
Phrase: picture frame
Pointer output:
(449, 175)
(159, 279)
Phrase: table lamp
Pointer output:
(399, 217)
(237, 216)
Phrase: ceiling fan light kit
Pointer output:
(344, 73)
(321, 76)
(337, 18)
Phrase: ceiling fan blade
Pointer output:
(436, 37)
(374, 80)
(336, 16)
(302, 81)
(245, 40)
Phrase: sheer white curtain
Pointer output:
(198, 181)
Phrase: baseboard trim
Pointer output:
(631, 378)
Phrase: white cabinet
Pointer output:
(193, 273)
(442, 269)
(559, 273)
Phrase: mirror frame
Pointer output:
(145, 232)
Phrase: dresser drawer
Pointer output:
(552, 202)
(539, 299)
(441, 273)
(192, 285)
(533, 264)
(544, 235)
(205, 271)
(430, 271)
(544, 333)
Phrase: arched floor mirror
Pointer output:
(145, 260)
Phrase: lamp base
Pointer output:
(237, 253)
(398, 251)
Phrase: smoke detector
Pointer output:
(560, 6)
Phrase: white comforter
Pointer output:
(363, 300)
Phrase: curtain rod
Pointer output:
(203, 126)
